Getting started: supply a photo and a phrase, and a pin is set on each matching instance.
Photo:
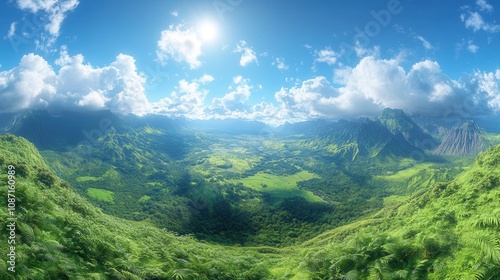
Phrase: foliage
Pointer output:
(445, 229)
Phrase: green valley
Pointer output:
(170, 200)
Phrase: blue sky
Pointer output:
(272, 61)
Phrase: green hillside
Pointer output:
(447, 232)
(62, 236)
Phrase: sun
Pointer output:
(208, 30)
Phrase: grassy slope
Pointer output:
(448, 232)
(62, 236)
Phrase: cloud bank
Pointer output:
(76, 86)
(364, 90)
(375, 84)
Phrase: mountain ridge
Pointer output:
(467, 140)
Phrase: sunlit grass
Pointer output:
(280, 186)
(101, 195)
(82, 179)
(395, 199)
(110, 174)
(408, 172)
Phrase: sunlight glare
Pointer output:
(208, 30)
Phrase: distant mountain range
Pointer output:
(392, 133)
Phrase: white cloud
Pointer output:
(187, 100)
(53, 14)
(29, 85)
(327, 56)
(426, 44)
(205, 79)
(363, 90)
(180, 44)
(175, 13)
(474, 21)
(247, 54)
(235, 100)
(76, 86)
(369, 87)
(94, 100)
(280, 64)
(12, 30)
(472, 47)
(484, 5)
(488, 85)
(362, 52)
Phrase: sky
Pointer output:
(270, 61)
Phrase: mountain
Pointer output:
(5, 120)
(363, 138)
(397, 122)
(306, 128)
(55, 132)
(438, 127)
(231, 126)
(466, 140)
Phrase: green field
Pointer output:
(408, 172)
(395, 199)
(110, 174)
(280, 186)
(101, 195)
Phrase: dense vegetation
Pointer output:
(152, 198)
(224, 188)
(62, 236)
(447, 232)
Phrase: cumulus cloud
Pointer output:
(235, 100)
(76, 86)
(327, 56)
(375, 84)
(205, 79)
(29, 85)
(53, 13)
(180, 44)
(363, 90)
(247, 54)
(187, 100)
(488, 86)
(234, 105)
